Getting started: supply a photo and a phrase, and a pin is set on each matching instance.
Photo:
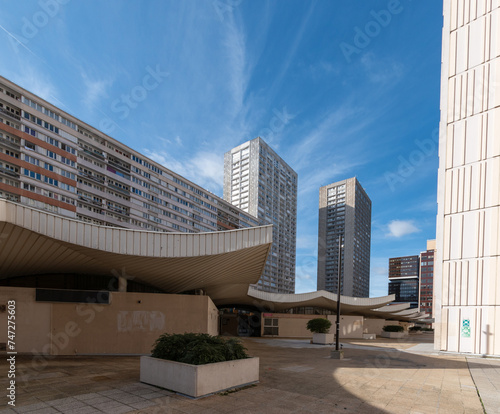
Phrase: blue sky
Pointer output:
(338, 89)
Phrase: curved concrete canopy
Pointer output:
(224, 264)
(37, 242)
(279, 302)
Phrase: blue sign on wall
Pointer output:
(465, 328)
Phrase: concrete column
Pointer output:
(122, 284)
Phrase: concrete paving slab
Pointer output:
(380, 376)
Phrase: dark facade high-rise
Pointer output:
(427, 278)
(404, 279)
(344, 209)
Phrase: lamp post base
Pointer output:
(337, 354)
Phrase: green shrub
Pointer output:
(427, 330)
(415, 328)
(319, 325)
(393, 328)
(197, 349)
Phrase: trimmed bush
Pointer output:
(197, 349)
(427, 330)
(393, 328)
(415, 328)
(319, 325)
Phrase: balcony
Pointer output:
(8, 113)
(120, 190)
(119, 165)
(89, 200)
(8, 172)
(10, 144)
(92, 177)
(118, 210)
(96, 154)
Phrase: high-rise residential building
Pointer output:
(404, 279)
(344, 209)
(53, 161)
(427, 277)
(261, 183)
(467, 265)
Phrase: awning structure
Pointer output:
(35, 242)
(369, 307)
(222, 264)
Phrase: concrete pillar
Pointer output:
(122, 284)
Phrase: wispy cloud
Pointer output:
(204, 168)
(95, 90)
(36, 82)
(292, 51)
(381, 71)
(236, 53)
(400, 228)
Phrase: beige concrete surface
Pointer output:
(370, 379)
(130, 324)
(486, 375)
(199, 380)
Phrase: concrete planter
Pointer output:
(393, 335)
(323, 339)
(199, 380)
(369, 336)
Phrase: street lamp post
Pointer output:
(339, 274)
(338, 353)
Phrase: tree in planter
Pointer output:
(197, 349)
(319, 325)
(198, 364)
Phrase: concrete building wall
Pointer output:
(467, 292)
(130, 324)
(31, 332)
(375, 325)
(294, 325)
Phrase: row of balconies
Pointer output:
(8, 113)
(8, 172)
(9, 143)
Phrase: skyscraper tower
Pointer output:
(344, 209)
(258, 181)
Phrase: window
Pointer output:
(271, 326)
(29, 146)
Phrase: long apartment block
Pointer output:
(53, 161)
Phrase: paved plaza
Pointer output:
(380, 376)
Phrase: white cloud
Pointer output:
(204, 169)
(235, 45)
(381, 71)
(400, 228)
(36, 82)
(95, 90)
